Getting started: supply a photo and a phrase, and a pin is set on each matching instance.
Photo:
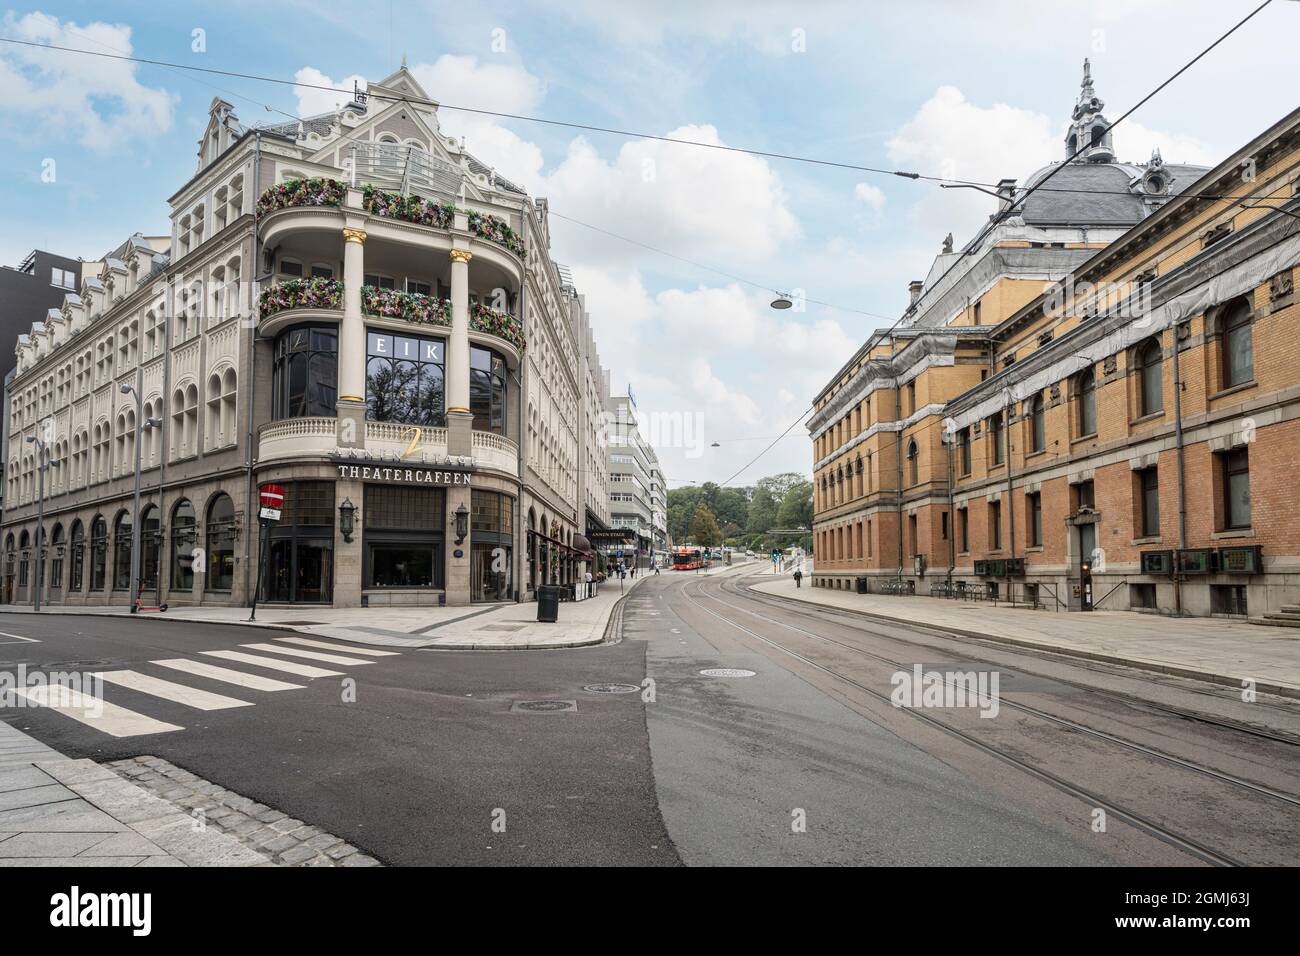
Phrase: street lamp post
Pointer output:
(41, 465)
(141, 425)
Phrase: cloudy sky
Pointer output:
(958, 88)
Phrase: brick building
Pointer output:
(1029, 430)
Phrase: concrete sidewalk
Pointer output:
(475, 627)
(56, 811)
(1211, 649)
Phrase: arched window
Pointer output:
(1037, 424)
(1237, 344)
(1086, 396)
(1098, 133)
(122, 533)
(304, 379)
(78, 557)
(184, 538)
(220, 533)
(1151, 395)
(98, 554)
(913, 464)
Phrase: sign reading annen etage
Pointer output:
(405, 476)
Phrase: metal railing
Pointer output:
(405, 168)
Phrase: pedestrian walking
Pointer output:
(590, 583)
(798, 577)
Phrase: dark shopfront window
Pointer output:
(491, 570)
(403, 537)
(150, 549)
(98, 553)
(184, 539)
(122, 552)
(487, 390)
(221, 544)
(305, 375)
(78, 555)
(300, 556)
(404, 379)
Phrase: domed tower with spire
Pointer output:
(1088, 140)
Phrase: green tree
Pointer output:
(796, 511)
(704, 530)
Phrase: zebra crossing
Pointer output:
(290, 654)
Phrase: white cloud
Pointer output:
(1134, 143)
(467, 81)
(95, 101)
(870, 195)
(312, 101)
(691, 201)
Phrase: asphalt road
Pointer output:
(800, 763)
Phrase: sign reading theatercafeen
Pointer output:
(406, 476)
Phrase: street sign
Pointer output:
(269, 514)
(271, 496)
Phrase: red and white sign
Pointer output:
(272, 500)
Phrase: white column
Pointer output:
(458, 343)
(352, 333)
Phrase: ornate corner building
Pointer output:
(1094, 404)
(351, 306)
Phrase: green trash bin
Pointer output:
(548, 603)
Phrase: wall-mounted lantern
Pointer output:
(347, 518)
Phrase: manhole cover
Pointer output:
(611, 688)
(727, 672)
(544, 706)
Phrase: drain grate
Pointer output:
(728, 672)
(544, 707)
(611, 688)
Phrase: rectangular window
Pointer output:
(380, 282)
(320, 270)
(420, 288)
(63, 278)
(911, 534)
(1236, 490)
(1148, 482)
(995, 526)
(1084, 496)
(1034, 507)
(943, 525)
(963, 530)
(963, 451)
(995, 438)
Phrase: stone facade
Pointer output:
(353, 307)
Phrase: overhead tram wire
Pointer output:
(998, 218)
(587, 127)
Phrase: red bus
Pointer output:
(687, 559)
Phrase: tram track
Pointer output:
(1145, 822)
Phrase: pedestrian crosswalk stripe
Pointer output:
(310, 655)
(326, 645)
(291, 667)
(100, 714)
(226, 675)
(167, 690)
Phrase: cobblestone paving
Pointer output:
(287, 841)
